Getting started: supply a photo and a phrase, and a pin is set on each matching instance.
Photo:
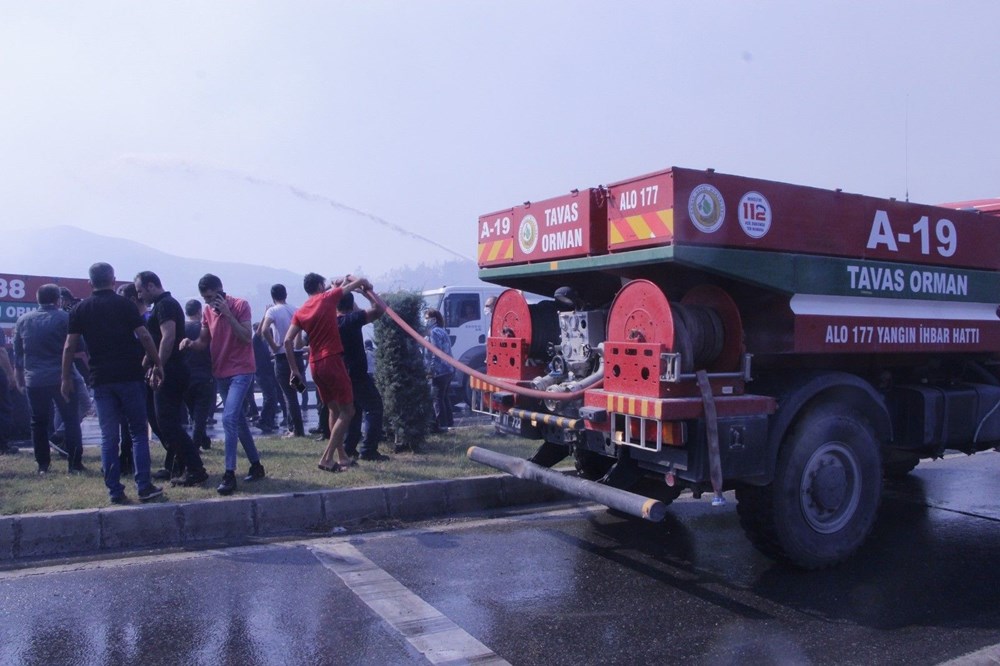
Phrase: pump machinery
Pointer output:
(713, 332)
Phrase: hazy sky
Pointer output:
(252, 131)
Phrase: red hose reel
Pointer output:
(511, 337)
(705, 328)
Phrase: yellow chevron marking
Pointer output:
(501, 249)
(667, 217)
(616, 235)
(639, 227)
(496, 250)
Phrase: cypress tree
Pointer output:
(399, 371)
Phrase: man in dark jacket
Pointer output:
(166, 326)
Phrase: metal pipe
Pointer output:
(590, 380)
(615, 498)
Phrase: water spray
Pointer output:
(299, 193)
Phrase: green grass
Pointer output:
(290, 465)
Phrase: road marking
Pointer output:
(427, 629)
(988, 656)
(119, 560)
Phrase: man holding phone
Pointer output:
(227, 332)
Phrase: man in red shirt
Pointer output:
(226, 332)
(318, 318)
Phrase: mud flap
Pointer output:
(548, 454)
(624, 474)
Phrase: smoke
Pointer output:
(177, 164)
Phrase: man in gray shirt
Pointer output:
(39, 337)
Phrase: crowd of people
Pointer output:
(152, 365)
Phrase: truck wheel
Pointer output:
(827, 486)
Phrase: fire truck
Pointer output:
(17, 297)
(714, 332)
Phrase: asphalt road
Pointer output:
(573, 584)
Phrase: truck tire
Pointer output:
(826, 491)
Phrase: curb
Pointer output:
(116, 529)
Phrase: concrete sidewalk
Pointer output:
(39, 536)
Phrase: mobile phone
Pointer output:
(298, 384)
(220, 296)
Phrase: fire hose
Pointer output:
(461, 367)
(630, 503)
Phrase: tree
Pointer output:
(399, 371)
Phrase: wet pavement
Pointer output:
(570, 585)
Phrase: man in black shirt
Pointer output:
(166, 326)
(368, 405)
(116, 337)
(200, 394)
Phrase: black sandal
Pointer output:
(336, 468)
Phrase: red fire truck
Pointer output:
(715, 332)
(17, 296)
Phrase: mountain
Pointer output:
(67, 251)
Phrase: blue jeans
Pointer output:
(442, 402)
(234, 392)
(82, 394)
(117, 402)
(41, 399)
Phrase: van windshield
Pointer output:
(460, 309)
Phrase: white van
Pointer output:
(467, 325)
